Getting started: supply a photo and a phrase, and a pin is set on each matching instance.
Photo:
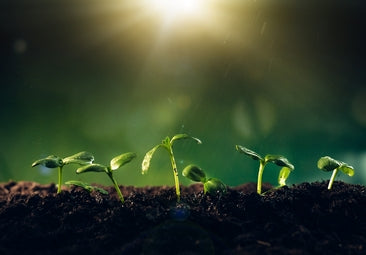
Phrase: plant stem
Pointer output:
(260, 174)
(334, 174)
(116, 187)
(175, 172)
(59, 179)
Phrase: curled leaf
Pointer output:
(194, 173)
(81, 158)
(146, 162)
(184, 136)
(121, 160)
(248, 152)
(279, 160)
(51, 161)
(92, 168)
(347, 169)
(284, 174)
(328, 164)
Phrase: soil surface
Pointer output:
(302, 219)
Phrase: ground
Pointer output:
(302, 219)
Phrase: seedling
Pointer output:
(210, 185)
(287, 167)
(167, 144)
(87, 186)
(328, 164)
(115, 163)
(52, 161)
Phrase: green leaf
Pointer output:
(80, 184)
(92, 168)
(284, 174)
(279, 160)
(147, 158)
(328, 164)
(121, 160)
(87, 186)
(347, 169)
(51, 161)
(183, 136)
(81, 158)
(194, 173)
(214, 186)
(248, 152)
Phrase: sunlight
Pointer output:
(177, 9)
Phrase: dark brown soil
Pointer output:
(304, 219)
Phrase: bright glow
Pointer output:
(177, 9)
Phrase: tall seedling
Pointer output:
(167, 144)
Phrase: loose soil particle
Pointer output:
(302, 219)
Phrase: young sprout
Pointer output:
(52, 161)
(210, 185)
(115, 163)
(167, 144)
(287, 167)
(87, 186)
(329, 164)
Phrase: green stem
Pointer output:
(175, 172)
(334, 174)
(117, 188)
(260, 174)
(59, 179)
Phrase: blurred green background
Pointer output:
(280, 77)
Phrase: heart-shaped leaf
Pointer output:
(248, 152)
(81, 158)
(121, 160)
(328, 164)
(51, 161)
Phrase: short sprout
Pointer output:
(329, 164)
(279, 160)
(210, 185)
(115, 163)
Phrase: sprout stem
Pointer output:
(59, 179)
(175, 171)
(116, 187)
(334, 174)
(260, 174)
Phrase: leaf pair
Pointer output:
(52, 161)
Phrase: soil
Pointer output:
(302, 219)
